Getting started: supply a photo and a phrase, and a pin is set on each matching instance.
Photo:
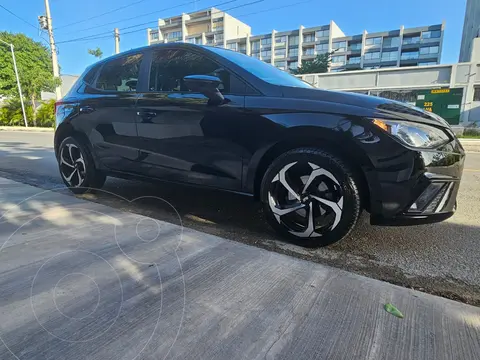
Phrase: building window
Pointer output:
(280, 52)
(256, 55)
(308, 51)
(309, 38)
(354, 60)
(255, 45)
(431, 34)
(154, 35)
(427, 63)
(356, 46)
(337, 70)
(266, 54)
(376, 41)
(322, 48)
(322, 33)
(429, 50)
(372, 56)
(174, 35)
(476, 93)
(219, 19)
(280, 39)
(390, 56)
(267, 41)
(339, 46)
(280, 64)
(293, 52)
(232, 46)
(190, 40)
(120, 74)
(293, 65)
(338, 59)
(391, 42)
(410, 55)
(209, 40)
(218, 37)
(293, 40)
(411, 40)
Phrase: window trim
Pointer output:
(249, 89)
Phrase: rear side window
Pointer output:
(90, 76)
(120, 74)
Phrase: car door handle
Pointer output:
(86, 109)
(147, 114)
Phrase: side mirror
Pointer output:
(206, 85)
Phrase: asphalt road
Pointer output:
(440, 258)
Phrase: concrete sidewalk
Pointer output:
(79, 280)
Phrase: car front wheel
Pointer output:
(77, 168)
(311, 197)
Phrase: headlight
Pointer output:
(413, 134)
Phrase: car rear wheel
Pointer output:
(311, 197)
(77, 168)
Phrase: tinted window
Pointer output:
(260, 69)
(169, 67)
(120, 74)
(90, 75)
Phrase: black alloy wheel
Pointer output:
(311, 197)
(77, 168)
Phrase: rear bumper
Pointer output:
(423, 190)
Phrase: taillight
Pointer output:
(57, 104)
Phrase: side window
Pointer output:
(90, 75)
(169, 67)
(120, 74)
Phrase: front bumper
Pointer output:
(423, 190)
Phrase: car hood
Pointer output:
(380, 107)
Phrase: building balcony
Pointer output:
(171, 25)
(352, 66)
(409, 57)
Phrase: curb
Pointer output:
(29, 129)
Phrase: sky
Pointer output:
(352, 16)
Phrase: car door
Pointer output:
(107, 113)
(182, 136)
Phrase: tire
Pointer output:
(309, 181)
(77, 168)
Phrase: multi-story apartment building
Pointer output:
(208, 27)
(471, 29)
(287, 49)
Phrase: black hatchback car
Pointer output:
(217, 118)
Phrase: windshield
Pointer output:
(260, 69)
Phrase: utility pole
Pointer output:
(18, 82)
(117, 41)
(56, 72)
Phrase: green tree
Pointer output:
(46, 114)
(96, 52)
(34, 68)
(318, 65)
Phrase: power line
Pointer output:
(18, 17)
(139, 16)
(100, 15)
(95, 36)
